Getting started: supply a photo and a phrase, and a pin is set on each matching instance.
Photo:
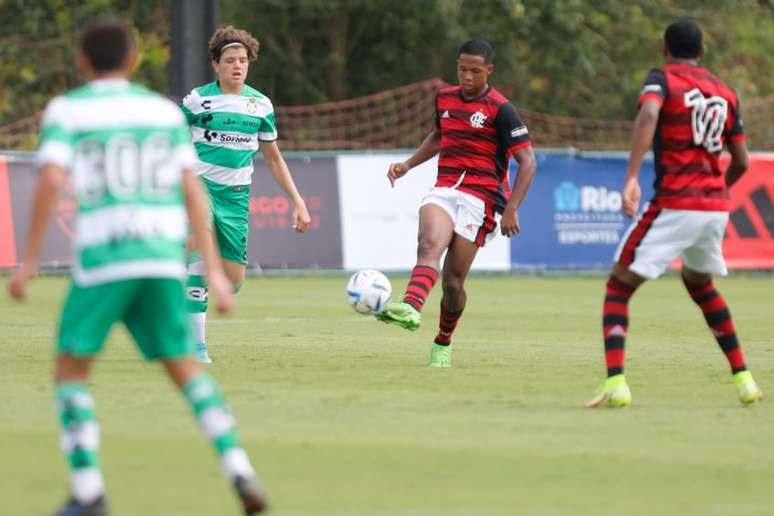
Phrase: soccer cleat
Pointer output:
(251, 493)
(440, 356)
(746, 388)
(402, 314)
(201, 354)
(613, 393)
(74, 508)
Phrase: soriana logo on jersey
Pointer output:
(587, 214)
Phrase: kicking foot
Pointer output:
(613, 393)
(402, 314)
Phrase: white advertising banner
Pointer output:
(379, 223)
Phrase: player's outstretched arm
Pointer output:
(195, 205)
(740, 159)
(281, 174)
(525, 157)
(642, 137)
(46, 195)
(429, 148)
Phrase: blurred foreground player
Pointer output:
(129, 153)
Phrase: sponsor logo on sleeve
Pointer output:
(519, 131)
(651, 88)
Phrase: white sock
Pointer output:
(87, 484)
(198, 325)
(235, 463)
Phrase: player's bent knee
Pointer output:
(429, 248)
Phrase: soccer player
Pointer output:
(689, 115)
(476, 131)
(230, 120)
(129, 154)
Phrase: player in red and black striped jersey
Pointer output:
(477, 131)
(689, 116)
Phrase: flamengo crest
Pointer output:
(477, 120)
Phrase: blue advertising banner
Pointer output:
(572, 215)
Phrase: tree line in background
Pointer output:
(583, 58)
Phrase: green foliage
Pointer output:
(573, 57)
(39, 40)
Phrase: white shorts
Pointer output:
(660, 235)
(473, 219)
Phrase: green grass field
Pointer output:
(342, 416)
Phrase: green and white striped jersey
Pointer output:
(125, 148)
(226, 130)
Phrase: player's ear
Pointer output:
(490, 68)
(83, 65)
(131, 63)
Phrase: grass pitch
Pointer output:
(342, 416)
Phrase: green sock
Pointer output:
(218, 424)
(79, 439)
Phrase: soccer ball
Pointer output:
(368, 291)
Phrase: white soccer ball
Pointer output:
(368, 291)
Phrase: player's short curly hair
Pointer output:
(229, 34)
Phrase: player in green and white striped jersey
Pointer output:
(230, 121)
(129, 154)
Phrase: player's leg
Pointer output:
(231, 209)
(197, 297)
(161, 333)
(456, 265)
(700, 262)
(87, 317)
(206, 400)
(645, 252)
(620, 286)
(436, 229)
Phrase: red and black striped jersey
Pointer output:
(699, 115)
(478, 137)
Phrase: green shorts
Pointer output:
(230, 206)
(153, 310)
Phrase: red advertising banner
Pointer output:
(749, 240)
(7, 236)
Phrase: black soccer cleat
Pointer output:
(251, 493)
(74, 508)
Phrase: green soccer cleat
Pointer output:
(613, 393)
(746, 388)
(440, 356)
(402, 314)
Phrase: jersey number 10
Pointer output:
(708, 119)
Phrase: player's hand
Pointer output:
(509, 223)
(223, 290)
(396, 171)
(301, 218)
(631, 197)
(17, 285)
